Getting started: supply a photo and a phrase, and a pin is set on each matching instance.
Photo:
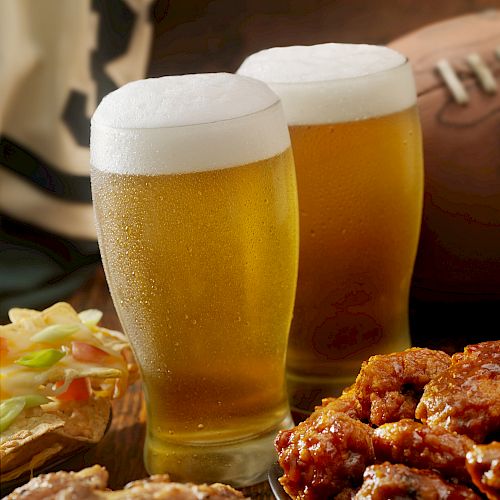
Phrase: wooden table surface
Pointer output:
(121, 449)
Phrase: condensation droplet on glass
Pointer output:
(201, 426)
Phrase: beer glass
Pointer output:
(357, 147)
(196, 207)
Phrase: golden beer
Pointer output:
(202, 267)
(358, 157)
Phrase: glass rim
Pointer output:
(277, 102)
(405, 62)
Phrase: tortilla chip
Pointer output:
(67, 428)
(23, 436)
(29, 321)
(36, 461)
(86, 421)
(17, 314)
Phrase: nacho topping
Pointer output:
(53, 333)
(90, 317)
(58, 355)
(9, 411)
(11, 408)
(44, 358)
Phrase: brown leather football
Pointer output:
(457, 70)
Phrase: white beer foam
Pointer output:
(334, 82)
(187, 123)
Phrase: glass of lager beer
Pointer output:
(195, 199)
(357, 147)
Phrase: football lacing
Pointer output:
(482, 72)
(450, 78)
(479, 68)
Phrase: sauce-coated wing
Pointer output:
(483, 464)
(465, 398)
(389, 386)
(418, 445)
(387, 481)
(324, 455)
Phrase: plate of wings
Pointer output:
(416, 424)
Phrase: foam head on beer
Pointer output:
(334, 82)
(187, 123)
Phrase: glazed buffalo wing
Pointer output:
(388, 481)
(418, 445)
(373, 429)
(324, 455)
(483, 464)
(465, 398)
(389, 386)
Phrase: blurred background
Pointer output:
(47, 246)
(216, 35)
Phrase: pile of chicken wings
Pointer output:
(415, 424)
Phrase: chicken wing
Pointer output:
(388, 481)
(389, 386)
(465, 398)
(418, 445)
(90, 484)
(483, 464)
(324, 455)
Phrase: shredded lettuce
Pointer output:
(54, 333)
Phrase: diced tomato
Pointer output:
(85, 352)
(78, 390)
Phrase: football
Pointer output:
(457, 70)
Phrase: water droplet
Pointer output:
(201, 426)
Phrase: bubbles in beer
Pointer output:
(334, 82)
(187, 123)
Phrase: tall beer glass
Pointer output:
(357, 147)
(195, 199)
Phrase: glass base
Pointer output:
(241, 463)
